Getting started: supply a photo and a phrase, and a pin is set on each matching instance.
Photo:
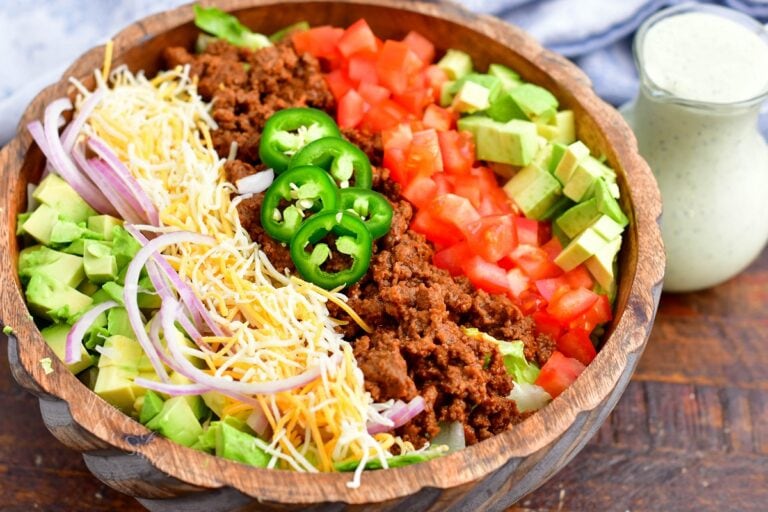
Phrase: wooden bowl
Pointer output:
(487, 476)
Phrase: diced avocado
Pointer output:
(558, 233)
(216, 402)
(578, 218)
(150, 407)
(58, 265)
(149, 300)
(20, 220)
(557, 208)
(534, 190)
(571, 158)
(607, 228)
(56, 193)
(514, 142)
(281, 34)
(607, 204)
(471, 98)
(509, 78)
(40, 224)
(561, 128)
(56, 337)
(115, 385)
(118, 323)
(121, 352)
(100, 265)
(54, 300)
(504, 108)
(536, 102)
(235, 445)
(456, 64)
(177, 422)
(558, 150)
(66, 232)
(543, 155)
(77, 247)
(88, 288)
(587, 243)
(601, 265)
(124, 246)
(207, 440)
(446, 93)
(581, 182)
(196, 403)
(103, 224)
(114, 291)
(89, 376)
(100, 296)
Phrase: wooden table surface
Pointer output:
(689, 434)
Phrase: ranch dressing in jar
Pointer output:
(704, 76)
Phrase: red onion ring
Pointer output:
(75, 335)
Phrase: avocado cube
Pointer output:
(471, 98)
(534, 190)
(54, 300)
(572, 157)
(504, 108)
(509, 78)
(124, 246)
(115, 385)
(601, 264)
(77, 247)
(103, 224)
(235, 445)
(586, 244)
(57, 265)
(447, 93)
(456, 64)
(121, 352)
(56, 193)
(543, 155)
(66, 232)
(535, 101)
(560, 235)
(578, 218)
(607, 227)
(558, 207)
(215, 402)
(39, 224)
(177, 422)
(150, 407)
(56, 337)
(113, 291)
(514, 142)
(118, 323)
(149, 300)
(20, 220)
(207, 440)
(607, 204)
(196, 403)
(556, 154)
(582, 180)
(99, 263)
(561, 128)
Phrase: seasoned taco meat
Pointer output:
(417, 311)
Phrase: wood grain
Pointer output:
(487, 476)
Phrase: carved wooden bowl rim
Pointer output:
(639, 289)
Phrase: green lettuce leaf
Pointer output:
(227, 27)
(513, 354)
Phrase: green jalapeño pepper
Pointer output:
(295, 195)
(346, 163)
(372, 208)
(310, 250)
(289, 130)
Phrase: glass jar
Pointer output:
(708, 156)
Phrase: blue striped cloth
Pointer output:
(39, 37)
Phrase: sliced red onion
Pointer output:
(131, 287)
(75, 336)
(188, 296)
(169, 311)
(62, 163)
(70, 133)
(255, 183)
(171, 389)
(258, 422)
(400, 413)
(35, 129)
(123, 173)
(99, 173)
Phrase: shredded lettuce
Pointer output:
(396, 461)
(513, 353)
(227, 27)
(529, 397)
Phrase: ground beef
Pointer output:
(418, 346)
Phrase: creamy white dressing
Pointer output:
(710, 161)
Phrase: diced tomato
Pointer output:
(319, 41)
(384, 115)
(434, 229)
(494, 202)
(518, 282)
(579, 277)
(358, 37)
(552, 247)
(527, 231)
(351, 109)
(599, 313)
(361, 68)
(558, 373)
(452, 258)
(423, 155)
(399, 137)
(441, 119)
(567, 306)
(434, 77)
(414, 100)
(544, 323)
(548, 287)
(458, 150)
(373, 94)
(421, 46)
(465, 185)
(492, 237)
(485, 275)
(454, 210)
(396, 63)
(338, 83)
(534, 261)
(420, 191)
(394, 160)
(443, 185)
(576, 344)
(531, 301)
